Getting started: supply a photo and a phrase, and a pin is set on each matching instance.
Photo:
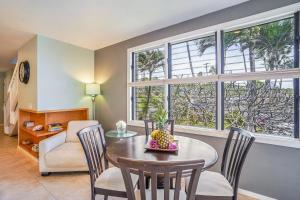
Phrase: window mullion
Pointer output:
(219, 84)
(296, 65)
(133, 113)
(167, 103)
(169, 49)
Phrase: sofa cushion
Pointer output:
(75, 126)
(67, 155)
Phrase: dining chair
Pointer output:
(149, 127)
(104, 180)
(164, 170)
(150, 124)
(224, 185)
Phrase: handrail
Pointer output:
(11, 103)
(14, 75)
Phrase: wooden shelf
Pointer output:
(51, 111)
(28, 148)
(45, 118)
(42, 133)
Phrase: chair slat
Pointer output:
(193, 184)
(236, 167)
(129, 186)
(93, 156)
(153, 186)
(233, 152)
(96, 153)
(177, 185)
(235, 157)
(142, 184)
(166, 186)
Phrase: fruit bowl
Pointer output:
(152, 145)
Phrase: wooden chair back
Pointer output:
(94, 146)
(150, 126)
(236, 149)
(156, 169)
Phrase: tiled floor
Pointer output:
(19, 178)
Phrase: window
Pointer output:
(194, 58)
(149, 64)
(261, 106)
(194, 104)
(242, 78)
(264, 47)
(147, 100)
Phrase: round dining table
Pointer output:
(188, 149)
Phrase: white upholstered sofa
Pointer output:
(63, 152)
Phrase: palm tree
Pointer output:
(148, 62)
(275, 44)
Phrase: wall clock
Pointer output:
(24, 72)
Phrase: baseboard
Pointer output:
(255, 195)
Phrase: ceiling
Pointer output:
(92, 24)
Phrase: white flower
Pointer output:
(121, 125)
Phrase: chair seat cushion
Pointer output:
(160, 194)
(67, 155)
(212, 184)
(112, 179)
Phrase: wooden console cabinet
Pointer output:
(45, 118)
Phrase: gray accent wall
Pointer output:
(269, 170)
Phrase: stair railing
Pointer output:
(11, 109)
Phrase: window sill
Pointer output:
(259, 138)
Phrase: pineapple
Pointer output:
(163, 138)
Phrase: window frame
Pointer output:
(220, 77)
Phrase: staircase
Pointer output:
(11, 105)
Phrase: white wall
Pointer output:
(58, 73)
(63, 70)
(28, 92)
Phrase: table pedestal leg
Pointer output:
(160, 183)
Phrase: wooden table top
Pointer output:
(189, 149)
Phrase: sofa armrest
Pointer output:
(50, 143)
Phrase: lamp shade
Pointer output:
(92, 89)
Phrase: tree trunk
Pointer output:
(190, 59)
(251, 57)
(252, 91)
(148, 97)
(244, 59)
(147, 102)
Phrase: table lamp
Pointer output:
(92, 89)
